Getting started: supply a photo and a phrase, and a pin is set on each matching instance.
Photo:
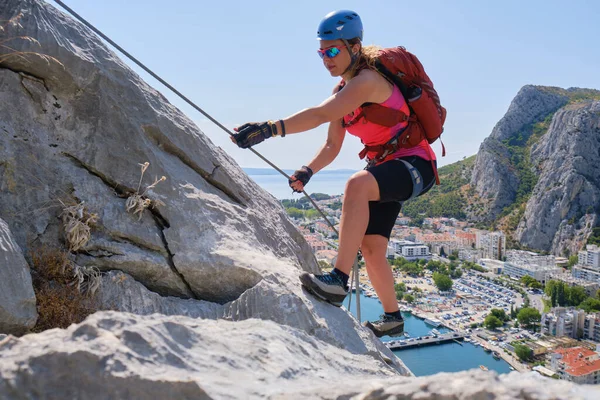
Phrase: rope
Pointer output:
(178, 93)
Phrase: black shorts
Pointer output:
(395, 186)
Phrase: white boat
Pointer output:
(435, 332)
(433, 322)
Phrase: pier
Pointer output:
(425, 341)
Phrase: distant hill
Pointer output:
(536, 177)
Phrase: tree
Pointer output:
(492, 322)
(577, 295)
(499, 313)
(422, 262)
(528, 316)
(295, 213)
(523, 352)
(590, 305)
(527, 280)
(409, 298)
(561, 296)
(579, 333)
(400, 289)
(573, 260)
(442, 281)
(535, 285)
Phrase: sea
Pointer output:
(331, 182)
(429, 360)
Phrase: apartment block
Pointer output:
(590, 257)
(577, 364)
(493, 244)
(539, 273)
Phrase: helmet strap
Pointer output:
(353, 57)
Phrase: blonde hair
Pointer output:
(367, 55)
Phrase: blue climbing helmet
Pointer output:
(342, 24)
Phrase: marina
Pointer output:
(451, 356)
(424, 341)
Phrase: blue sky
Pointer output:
(256, 60)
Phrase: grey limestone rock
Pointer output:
(565, 203)
(126, 356)
(17, 299)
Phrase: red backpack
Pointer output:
(427, 118)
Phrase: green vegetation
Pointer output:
(594, 237)
(523, 352)
(473, 266)
(491, 322)
(590, 305)
(442, 281)
(563, 295)
(529, 317)
(409, 298)
(444, 200)
(500, 314)
(530, 282)
(400, 289)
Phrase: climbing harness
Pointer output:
(132, 58)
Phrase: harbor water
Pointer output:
(429, 360)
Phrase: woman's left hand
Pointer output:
(252, 133)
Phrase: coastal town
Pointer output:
(535, 311)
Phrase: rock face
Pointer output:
(74, 130)
(119, 355)
(565, 203)
(563, 206)
(494, 177)
(17, 299)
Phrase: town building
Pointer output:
(588, 266)
(521, 257)
(591, 327)
(589, 286)
(590, 257)
(561, 321)
(578, 365)
(538, 272)
(468, 254)
(408, 250)
(571, 322)
(493, 244)
(586, 274)
(495, 266)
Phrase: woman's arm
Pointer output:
(366, 87)
(331, 148)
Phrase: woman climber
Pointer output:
(373, 197)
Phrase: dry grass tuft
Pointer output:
(137, 203)
(63, 290)
(7, 52)
(77, 223)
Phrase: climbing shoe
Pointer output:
(387, 325)
(328, 287)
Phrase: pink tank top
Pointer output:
(372, 134)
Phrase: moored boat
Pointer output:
(496, 355)
(433, 322)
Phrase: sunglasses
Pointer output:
(330, 52)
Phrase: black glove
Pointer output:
(303, 175)
(252, 133)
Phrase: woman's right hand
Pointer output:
(300, 178)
